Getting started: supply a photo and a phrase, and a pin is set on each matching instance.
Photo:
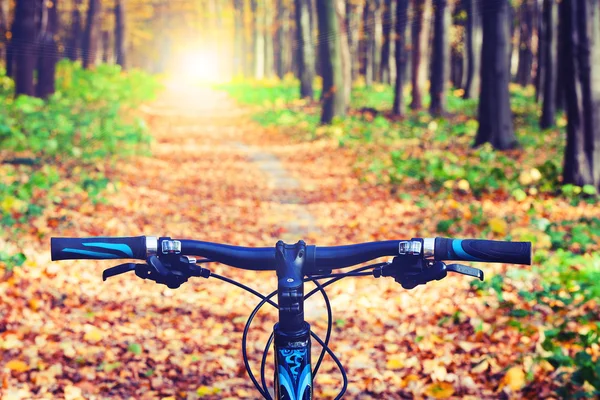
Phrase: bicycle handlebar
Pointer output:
(318, 258)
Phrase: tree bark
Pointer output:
(239, 49)
(525, 35)
(24, 46)
(91, 37)
(550, 16)
(400, 54)
(354, 12)
(420, 40)
(269, 33)
(105, 46)
(3, 30)
(258, 9)
(582, 89)
(331, 62)
(48, 52)
(283, 61)
(387, 26)
(120, 53)
(74, 40)
(439, 64)
(495, 116)
(305, 52)
(345, 51)
(560, 66)
(369, 42)
(377, 38)
(474, 36)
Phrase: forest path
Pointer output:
(214, 175)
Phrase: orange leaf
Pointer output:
(17, 365)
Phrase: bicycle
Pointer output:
(172, 262)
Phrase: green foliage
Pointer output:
(68, 139)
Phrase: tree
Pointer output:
(239, 49)
(525, 36)
(120, 54)
(258, 10)
(74, 40)
(340, 8)
(495, 117)
(550, 15)
(283, 61)
(353, 14)
(386, 47)
(581, 23)
(24, 43)
(48, 51)
(473, 40)
(439, 61)
(305, 49)
(91, 37)
(268, 32)
(400, 31)
(420, 39)
(330, 55)
(3, 30)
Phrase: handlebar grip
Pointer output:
(482, 251)
(98, 248)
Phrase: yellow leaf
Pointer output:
(17, 365)
(394, 363)
(93, 336)
(514, 378)
(498, 225)
(206, 391)
(439, 390)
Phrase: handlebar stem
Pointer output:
(290, 263)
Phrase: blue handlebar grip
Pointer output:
(482, 251)
(98, 248)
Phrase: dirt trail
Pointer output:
(216, 176)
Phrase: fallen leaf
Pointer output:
(498, 225)
(394, 363)
(17, 365)
(439, 390)
(514, 378)
(93, 336)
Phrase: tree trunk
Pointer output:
(550, 16)
(354, 12)
(269, 33)
(74, 40)
(400, 53)
(48, 52)
(377, 38)
(283, 28)
(474, 35)
(439, 64)
(258, 9)
(3, 30)
(541, 58)
(560, 66)
(495, 117)
(305, 52)
(24, 31)
(331, 62)
(345, 51)
(582, 89)
(105, 46)
(525, 35)
(120, 54)
(386, 47)
(240, 49)
(91, 36)
(420, 35)
(369, 42)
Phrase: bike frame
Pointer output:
(293, 374)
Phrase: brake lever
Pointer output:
(463, 269)
(117, 270)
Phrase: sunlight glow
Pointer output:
(198, 66)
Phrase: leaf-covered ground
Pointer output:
(65, 333)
